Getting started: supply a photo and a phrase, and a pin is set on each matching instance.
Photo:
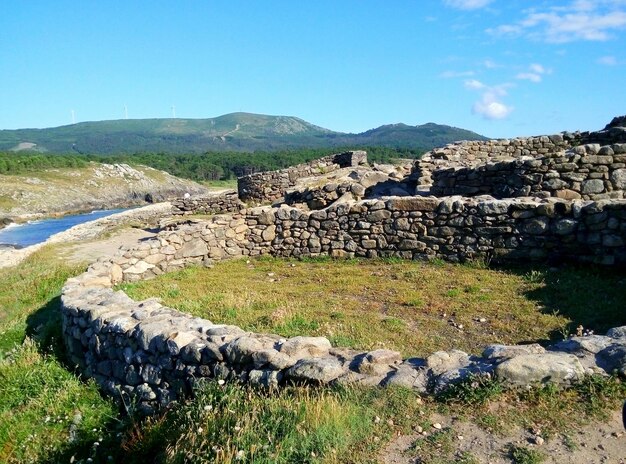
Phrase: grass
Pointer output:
(48, 414)
(46, 411)
(220, 184)
(412, 307)
(523, 455)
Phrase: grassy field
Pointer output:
(49, 414)
(412, 307)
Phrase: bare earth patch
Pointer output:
(461, 441)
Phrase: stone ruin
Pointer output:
(541, 207)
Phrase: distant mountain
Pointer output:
(243, 132)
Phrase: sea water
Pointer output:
(30, 233)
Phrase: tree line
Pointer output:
(198, 167)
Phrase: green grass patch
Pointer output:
(413, 307)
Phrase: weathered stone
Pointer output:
(266, 217)
(510, 351)
(617, 332)
(565, 226)
(540, 368)
(378, 362)
(567, 194)
(155, 258)
(192, 248)
(378, 216)
(301, 347)
(138, 268)
(536, 226)
(269, 234)
(178, 341)
(268, 379)
(117, 275)
(618, 178)
(413, 204)
(144, 392)
(591, 344)
(241, 349)
(409, 377)
(613, 359)
(593, 186)
(318, 370)
(442, 361)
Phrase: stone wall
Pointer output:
(269, 186)
(456, 229)
(470, 154)
(586, 171)
(152, 355)
(224, 202)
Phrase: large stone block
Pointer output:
(413, 204)
(192, 248)
(529, 369)
(316, 370)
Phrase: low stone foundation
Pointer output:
(153, 355)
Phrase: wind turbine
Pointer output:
(125, 111)
(73, 117)
(173, 112)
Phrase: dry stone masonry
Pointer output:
(151, 355)
(269, 186)
(587, 171)
(224, 202)
(472, 154)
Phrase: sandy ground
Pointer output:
(594, 443)
(89, 231)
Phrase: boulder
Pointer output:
(378, 362)
(316, 370)
(540, 368)
(508, 352)
(191, 249)
(304, 347)
(613, 359)
(442, 361)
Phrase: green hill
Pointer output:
(242, 132)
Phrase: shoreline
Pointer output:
(89, 230)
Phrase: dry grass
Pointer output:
(415, 308)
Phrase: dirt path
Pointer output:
(90, 251)
(594, 443)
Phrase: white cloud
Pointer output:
(473, 84)
(607, 60)
(451, 74)
(489, 64)
(529, 77)
(535, 74)
(581, 20)
(467, 4)
(537, 68)
(490, 106)
(491, 109)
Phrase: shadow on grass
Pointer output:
(589, 296)
(44, 326)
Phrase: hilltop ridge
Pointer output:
(241, 132)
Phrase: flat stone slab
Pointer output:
(540, 368)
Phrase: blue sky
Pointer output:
(502, 68)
